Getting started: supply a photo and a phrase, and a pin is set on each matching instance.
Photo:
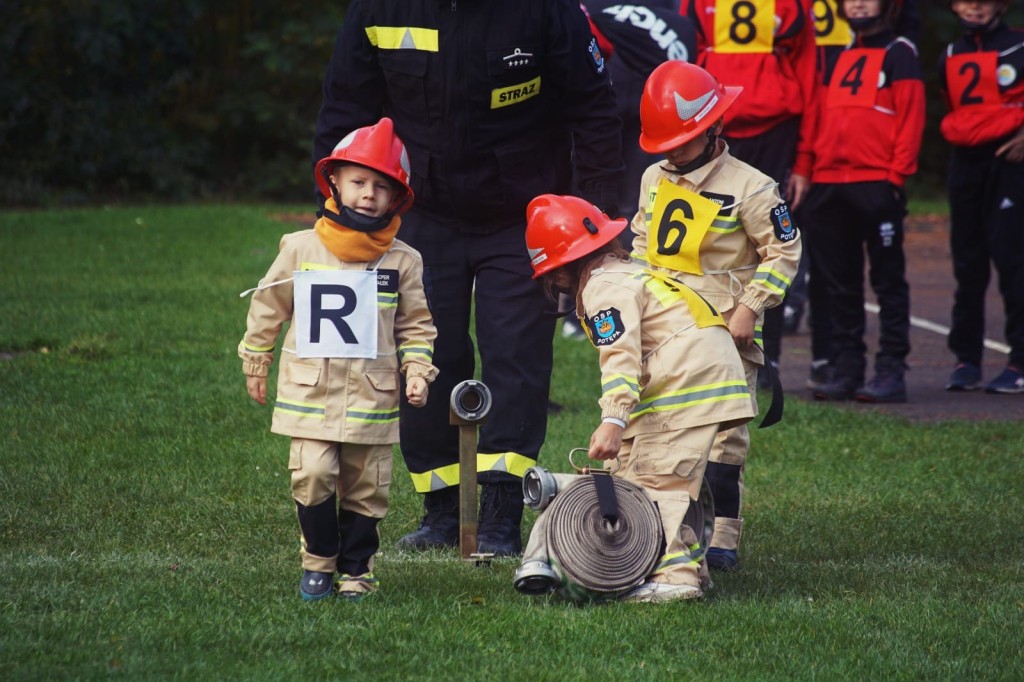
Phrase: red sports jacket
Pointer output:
(768, 47)
(867, 123)
(983, 83)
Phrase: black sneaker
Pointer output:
(837, 388)
(440, 526)
(965, 376)
(315, 585)
(722, 559)
(884, 387)
(1011, 380)
(821, 374)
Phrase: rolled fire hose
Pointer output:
(596, 553)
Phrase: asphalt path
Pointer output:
(929, 272)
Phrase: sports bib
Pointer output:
(744, 26)
(971, 79)
(829, 28)
(679, 221)
(669, 291)
(336, 313)
(855, 79)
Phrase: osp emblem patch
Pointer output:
(606, 327)
(785, 228)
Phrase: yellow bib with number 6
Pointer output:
(679, 221)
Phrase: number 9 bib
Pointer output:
(679, 221)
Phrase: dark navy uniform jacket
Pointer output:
(496, 102)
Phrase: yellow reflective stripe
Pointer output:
(256, 349)
(386, 300)
(695, 395)
(402, 38)
(510, 462)
(435, 479)
(772, 279)
(691, 557)
(415, 349)
(724, 224)
(620, 382)
(314, 410)
(372, 416)
(306, 265)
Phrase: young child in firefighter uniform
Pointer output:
(867, 133)
(354, 297)
(721, 227)
(983, 79)
(671, 376)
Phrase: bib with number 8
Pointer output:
(679, 221)
(744, 26)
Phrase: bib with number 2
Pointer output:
(972, 79)
(679, 221)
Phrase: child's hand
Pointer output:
(257, 387)
(741, 326)
(606, 441)
(1013, 150)
(416, 391)
(796, 189)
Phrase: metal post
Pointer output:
(470, 401)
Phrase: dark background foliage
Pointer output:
(128, 100)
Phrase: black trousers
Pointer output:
(514, 325)
(845, 220)
(986, 204)
(773, 153)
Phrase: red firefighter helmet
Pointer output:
(376, 147)
(561, 229)
(680, 101)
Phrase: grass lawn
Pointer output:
(147, 530)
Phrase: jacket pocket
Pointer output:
(665, 459)
(383, 380)
(303, 374)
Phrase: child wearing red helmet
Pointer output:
(670, 377)
(722, 228)
(983, 81)
(353, 294)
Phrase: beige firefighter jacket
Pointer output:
(668, 361)
(348, 400)
(751, 251)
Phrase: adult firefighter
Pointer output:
(497, 102)
(671, 377)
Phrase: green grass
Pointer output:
(147, 531)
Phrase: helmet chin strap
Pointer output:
(354, 220)
(705, 155)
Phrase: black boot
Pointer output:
(440, 525)
(501, 512)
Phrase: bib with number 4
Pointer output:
(744, 26)
(855, 79)
(679, 221)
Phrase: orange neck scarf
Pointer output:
(353, 246)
